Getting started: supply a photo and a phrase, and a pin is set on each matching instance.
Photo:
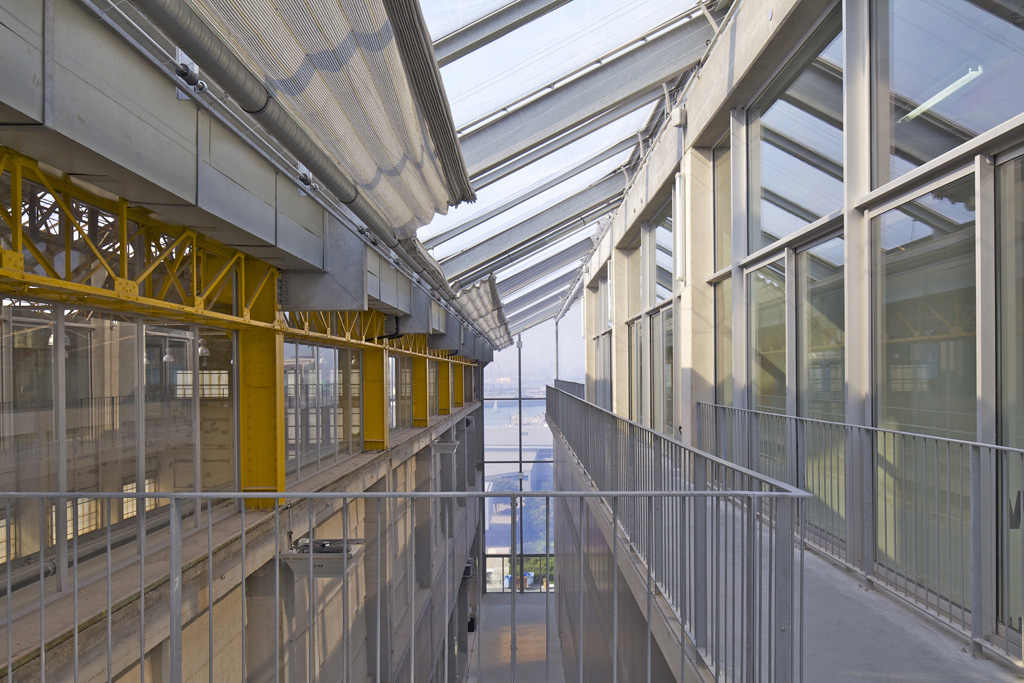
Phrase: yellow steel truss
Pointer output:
(62, 243)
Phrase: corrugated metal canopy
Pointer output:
(358, 74)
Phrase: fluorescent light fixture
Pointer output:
(946, 92)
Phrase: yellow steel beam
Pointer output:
(261, 413)
(375, 399)
(457, 383)
(444, 387)
(420, 397)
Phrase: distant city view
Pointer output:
(500, 376)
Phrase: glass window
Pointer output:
(660, 266)
(768, 337)
(635, 347)
(796, 141)
(170, 426)
(1010, 216)
(722, 168)
(944, 71)
(1010, 222)
(723, 342)
(821, 328)
(101, 376)
(926, 360)
(27, 427)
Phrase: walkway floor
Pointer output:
(851, 633)
(490, 653)
(858, 634)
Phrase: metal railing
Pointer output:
(577, 389)
(935, 520)
(722, 544)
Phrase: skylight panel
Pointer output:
(545, 50)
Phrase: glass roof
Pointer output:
(521, 68)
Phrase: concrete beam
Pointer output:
(532, 191)
(498, 23)
(621, 79)
(418, 320)
(337, 287)
(571, 253)
(536, 226)
(451, 340)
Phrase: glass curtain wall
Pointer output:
(943, 72)
(796, 141)
(322, 407)
(927, 384)
(98, 402)
(821, 388)
(518, 456)
(767, 287)
(1010, 423)
(723, 342)
(661, 326)
(722, 169)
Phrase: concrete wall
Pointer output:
(77, 97)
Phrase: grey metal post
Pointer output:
(784, 585)
(514, 569)
(579, 592)
(700, 555)
(174, 598)
(857, 115)
(60, 429)
(978, 617)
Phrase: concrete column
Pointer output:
(262, 630)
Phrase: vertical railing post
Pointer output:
(700, 554)
(979, 619)
(784, 589)
(174, 598)
(796, 438)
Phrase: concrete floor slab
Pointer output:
(490, 656)
(860, 634)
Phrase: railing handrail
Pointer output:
(851, 425)
(346, 495)
(777, 483)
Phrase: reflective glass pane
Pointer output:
(723, 342)
(102, 378)
(796, 141)
(768, 338)
(1010, 215)
(822, 345)
(27, 421)
(821, 357)
(170, 396)
(927, 368)
(945, 71)
(216, 409)
(723, 204)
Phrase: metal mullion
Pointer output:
(60, 430)
(983, 607)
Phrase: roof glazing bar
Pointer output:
(598, 194)
(549, 265)
(646, 66)
(498, 23)
(531, 192)
(517, 162)
(559, 284)
(533, 317)
(527, 249)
